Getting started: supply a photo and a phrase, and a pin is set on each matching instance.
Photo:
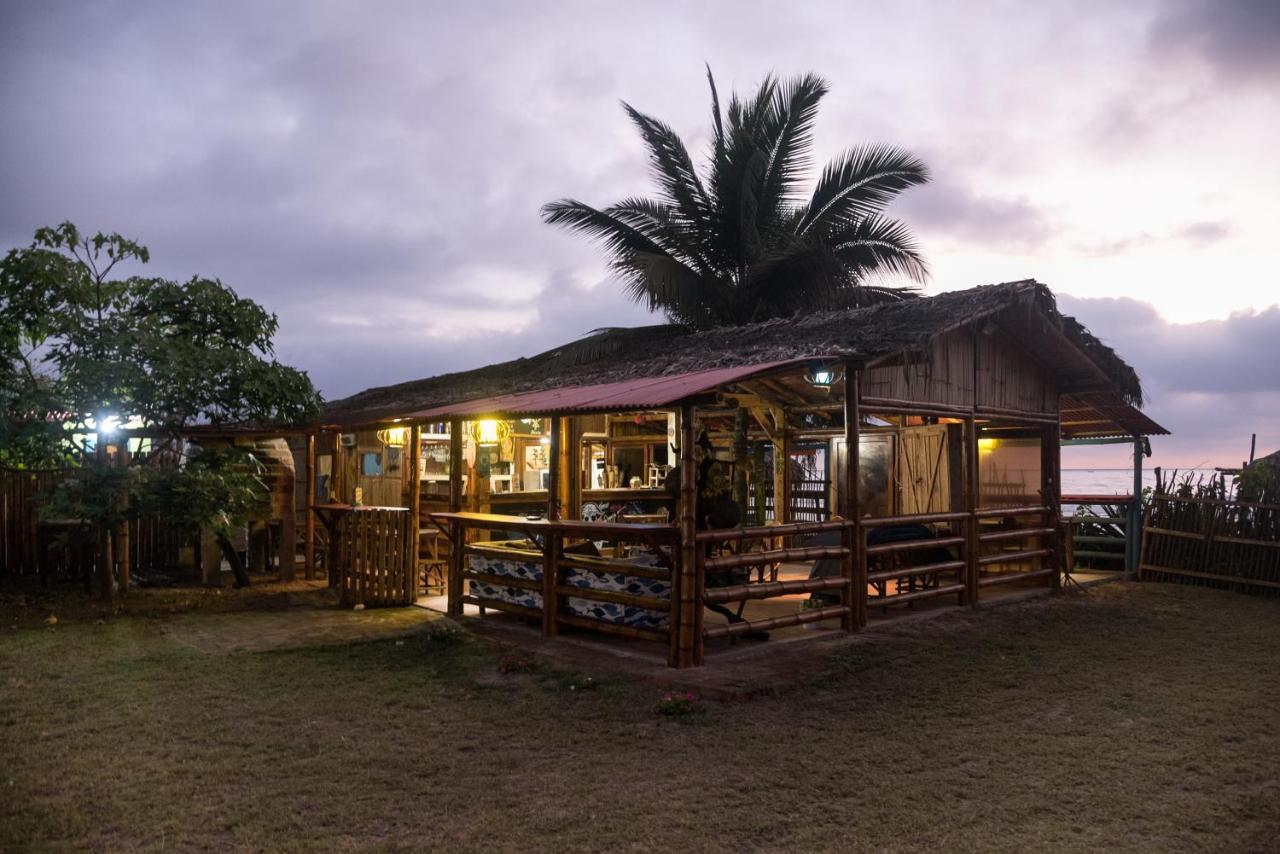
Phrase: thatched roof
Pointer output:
(863, 335)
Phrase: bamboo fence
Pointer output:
(1212, 542)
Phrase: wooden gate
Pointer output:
(377, 557)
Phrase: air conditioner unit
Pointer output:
(348, 440)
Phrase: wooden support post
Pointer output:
(412, 470)
(556, 464)
(457, 543)
(455, 465)
(570, 469)
(1134, 528)
(782, 469)
(683, 618)
(853, 563)
(1051, 491)
(309, 518)
(971, 475)
(550, 580)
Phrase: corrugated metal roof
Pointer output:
(1098, 415)
(645, 393)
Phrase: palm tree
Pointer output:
(740, 241)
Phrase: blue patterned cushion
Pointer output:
(610, 612)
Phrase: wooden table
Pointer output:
(331, 515)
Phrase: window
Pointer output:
(371, 464)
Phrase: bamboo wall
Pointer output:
(1004, 376)
(1009, 378)
(944, 374)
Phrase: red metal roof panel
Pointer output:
(641, 393)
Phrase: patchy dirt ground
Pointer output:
(1131, 718)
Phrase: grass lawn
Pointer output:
(1131, 717)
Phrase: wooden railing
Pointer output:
(921, 581)
(1044, 555)
(539, 577)
(773, 551)
(542, 579)
(1101, 529)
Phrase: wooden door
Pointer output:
(925, 456)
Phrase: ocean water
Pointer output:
(1115, 481)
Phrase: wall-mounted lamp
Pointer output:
(394, 437)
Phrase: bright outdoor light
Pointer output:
(820, 376)
(394, 437)
(490, 432)
(987, 445)
(105, 424)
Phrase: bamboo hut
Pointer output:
(687, 488)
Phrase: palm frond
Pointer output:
(788, 135)
(717, 125)
(671, 166)
(878, 244)
(660, 223)
(861, 182)
(613, 233)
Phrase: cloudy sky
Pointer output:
(372, 172)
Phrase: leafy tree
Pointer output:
(740, 241)
(84, 356)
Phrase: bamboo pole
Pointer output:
(309, 519)
(1051, 489)
(853, 561)
(455, 465)
(415, 506)
(457, 533)
(287, 548)
(553, 459)
(1134, 533)
(683, 619)
(971, 504)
